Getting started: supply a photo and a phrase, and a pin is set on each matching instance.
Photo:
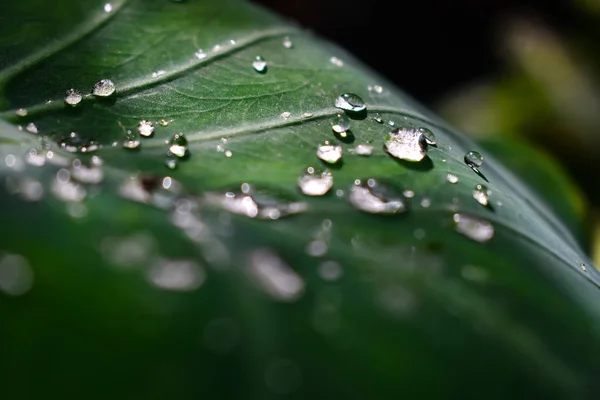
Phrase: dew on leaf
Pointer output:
(73, 97)
(452, 178)
(428, 136)
(103, 88)
(482, 194)
(108, 7)
(363, 149)
(287, 43)
(200, 54)
(329, 153)
(473, 159)
(340, 123)
(391, 123)
(425, 202)
(350, 102)
(274, 276)
(473, 227)
(228, 153)
(179, 145)
(145, 128)
(259, 65)
(374, 199)
(176, 275)
(31, 128)
(285, 114)
(314, 182)
(131, 142)
(307, 115)
(583, 267)
(21, 112)
(409, 194)
(85, 174)
(317, 248)
(406, 144)
(158, 74)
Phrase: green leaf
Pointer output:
(117, 281)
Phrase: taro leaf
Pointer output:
(129, 280)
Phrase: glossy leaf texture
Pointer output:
(122, 277)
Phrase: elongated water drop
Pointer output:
(259, 65)
(73, 97)
(340, 123)
(145, 128)
(314, 182)
(428, 136)
(104, 88)
(406, 144)
(474, 160)
(179, 145)
(329, 152)
(350, 102)
(452, 178)
(374, 199)
(473, 227)
(482, 194)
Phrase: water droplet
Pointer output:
(73, 97)
(391, 123)
(158, 73)
(350, 102)
(200, 54)
(378, 89)
(474, 274)
(473, 227)
(31, 128)
(104, 88)
(16, 276)
(179, 145)
(145, 128)
(425, 202)
(285, 114)
(374, 199)
(340, 123)
(287, 43)
(108, 7)
(363, 149)
(377, 118)
(177, 275)
(21, 112)
(163, 122)
(314, 182)
(171, 162)
(409, 194)
(65, 189)
(84, 174)
(75, 143)
(482, 194)
(259, 65)
(329, 152)
(228, 153)
(131, 142)
(474, 160)
(307, 115)
(583, 267)
(336, 61)
(406, 144)
(35, 158)
(275, 276)
(452, 178)
(428, 136)
(221, 335)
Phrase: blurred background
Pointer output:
(501, 70)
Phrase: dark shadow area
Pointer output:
(348, 139)
(424, 165)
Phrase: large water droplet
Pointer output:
(329, 152)
(314, 182)
(73, 97)
(179, 145)
(406, 144)
(340, 123)
(350, 102)
(275, 276)
(474, 160)
(473, 227)
(377, 118)
(259, 65)
(374, 198)
(75, 143)
(428, 136)
(482, 194)
(145, 128)
(104, 88)
(336, 61)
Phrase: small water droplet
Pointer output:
(377, 118)
(75, 143)
(391, 123)
(406, 144)
(409, 194)
(287, 43)
(336, 61)
(179, 145)
(329, 152)
(259, 65)
(285, 114)
(158, 73)
(374, 199)
(425, 202)
(314, 182)
(21, 112)
(452, 178)
(145, 128)
(171, 162)
(108, 8)
(307, 115)
(104, 88)
(73, 97)
(473, 227)
(65, 189)
(363, 150)
(482, 194)
(200, 54)
(35, 158)
(350, 102)
(163, 122)
(428, 136)
(275, 276)
(340, 123)
(31, 128)
(131, 142)
(474, 160)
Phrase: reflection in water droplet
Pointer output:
(73, 97)
(287, 43)
(315, 182)
(163, 122)
(340, 123)
(363, 150)
(177, 275)
(473, 159)
(104, 88)
(482, 194)
(428, 136)
(336, 61)
(31, 128)
(473, 227)
(283, 376)
(406, 144)
(16, 276)
(330, 270)
(374, 199)
(329, 152)
(108, 8)
(145, 128)
(259, 65)
(275, 276)
(350, 102)
(452, 178)
(179, 145)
